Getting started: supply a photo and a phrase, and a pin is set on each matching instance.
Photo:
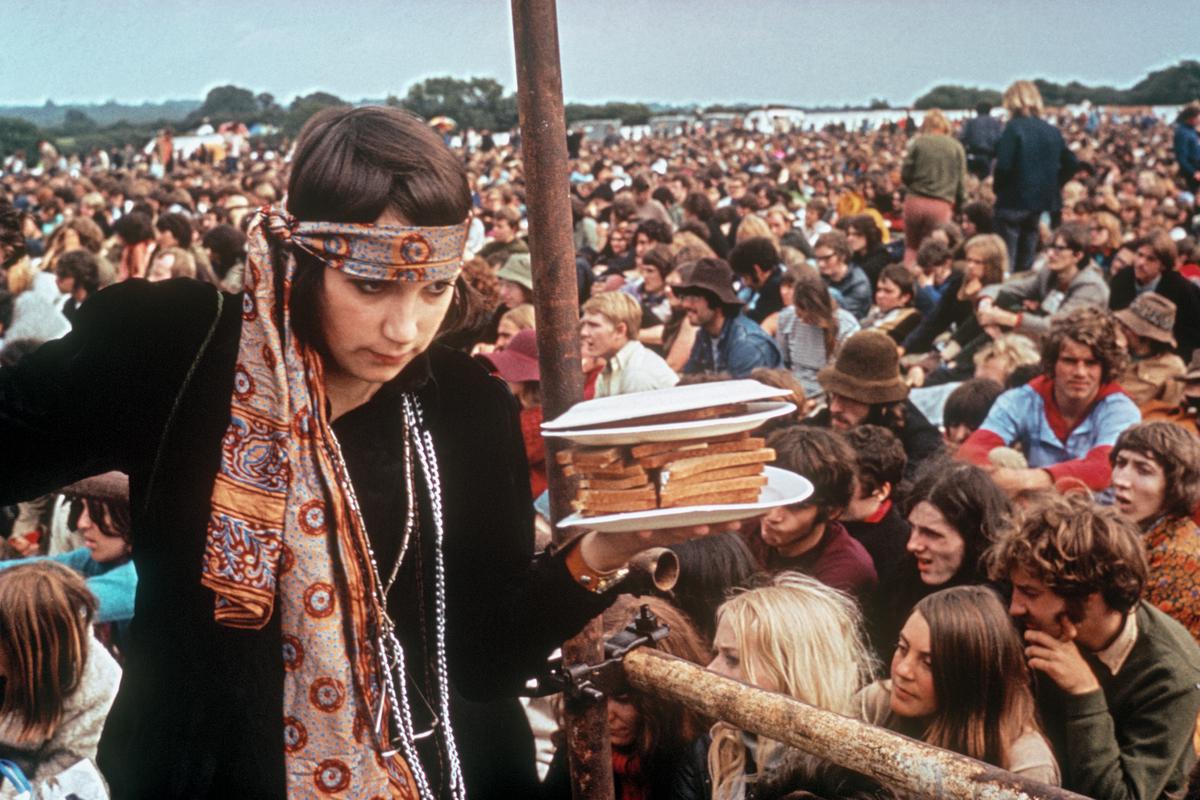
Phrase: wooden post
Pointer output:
(556, 304)
(909, 766)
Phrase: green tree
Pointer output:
(226, 104)
(269, 111)
(474, 103)
(76, 122)
(949, 96)
(304, 107)
(19, 134)
(1174, 85)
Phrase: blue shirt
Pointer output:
(113, 584)
(741, 347)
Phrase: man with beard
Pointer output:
(864, 387)
(1116, 678)
(1067, 419)
(726, 339)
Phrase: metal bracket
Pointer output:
(592, 683)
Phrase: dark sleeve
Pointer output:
(920, 340)
(691, 779)
(509, 610)
(1136, 762)
(1068, 164)
(1006, 157)
(96, 399)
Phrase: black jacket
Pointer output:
(1176, 288)
(199, 712)
(920, 439)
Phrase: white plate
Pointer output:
(757, 414)
(604, 410)
(783, 489)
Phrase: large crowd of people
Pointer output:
(991, 330)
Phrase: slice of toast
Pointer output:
(588, 456)
(687, 467)
(727, 486)
(654, 448)
(735, 446)
(667, 483)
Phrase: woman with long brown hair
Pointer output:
(59, 682)
(959, 681)
(808, 331)
(651, 736)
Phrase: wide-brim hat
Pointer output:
(518, 269)
(867, 370)
(1150, 316)
(711, 275)
(518, 361)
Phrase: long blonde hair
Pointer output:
(46, 613)
(800, 637)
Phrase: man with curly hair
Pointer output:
(1067, 419)
(1118, 681)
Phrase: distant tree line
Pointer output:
(1171, 86)
(479, 103)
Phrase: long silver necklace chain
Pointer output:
(389, 651)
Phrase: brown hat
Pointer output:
(1151, 316)
(711, 275)
(867, 370)
(107, 486)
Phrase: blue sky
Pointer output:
(806, 52)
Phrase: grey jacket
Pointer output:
(1087, 289)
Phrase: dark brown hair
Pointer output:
(879, 455)
(1090, 327)
(980, 679)
(1076, 548)
(352, 165)
(810, 298)
(1177, 452)
(46, 613)
(822, 456)
(970, 502)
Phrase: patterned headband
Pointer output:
(377, 252)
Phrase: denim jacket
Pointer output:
(741, 347)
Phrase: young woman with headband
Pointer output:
(331, 524)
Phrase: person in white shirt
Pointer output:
(608, 330)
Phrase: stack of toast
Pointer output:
(642, 477)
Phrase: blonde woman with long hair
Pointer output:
(800, 638)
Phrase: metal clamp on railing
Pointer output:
(594, 682)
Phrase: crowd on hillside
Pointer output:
(991, 331)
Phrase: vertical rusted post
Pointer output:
(556, 305)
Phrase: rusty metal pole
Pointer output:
(556, 305)
(914, 768)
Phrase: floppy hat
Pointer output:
(867, 370)
(518, 362)
(518, 269)
(1151, 316)
(711, 275)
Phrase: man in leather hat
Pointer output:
(864, 387)
(726, 340)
